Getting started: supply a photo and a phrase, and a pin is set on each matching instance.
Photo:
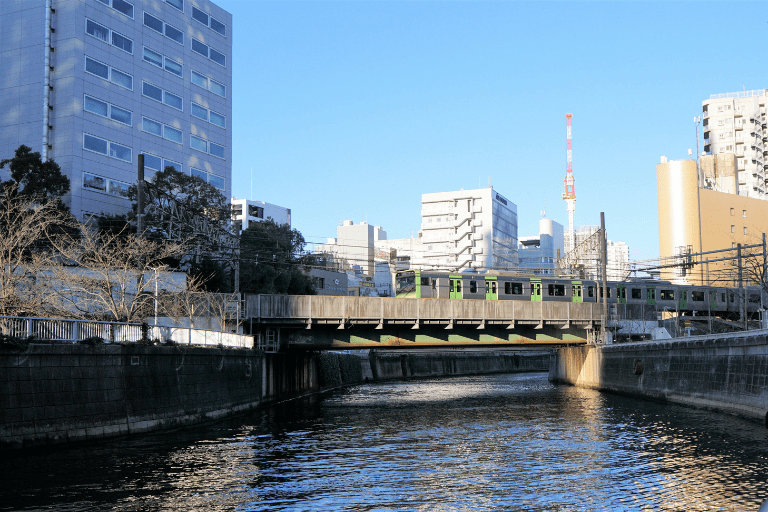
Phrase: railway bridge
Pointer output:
(332, 322)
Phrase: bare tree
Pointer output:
(112, 276)
(27, 223)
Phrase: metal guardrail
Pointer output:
(62, 329)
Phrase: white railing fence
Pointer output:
(59, 329)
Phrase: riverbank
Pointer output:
(62, 393)
(724, 373)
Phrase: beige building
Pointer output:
(734, 123)
(699, 211)
(354, 246)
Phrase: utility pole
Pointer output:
(742, 295)
(140, 197)
(604, 275)
(763, 277)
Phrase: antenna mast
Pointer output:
(569, 196)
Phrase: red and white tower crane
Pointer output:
(570, 191)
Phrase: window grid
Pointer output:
(161, 61)
(114, 75)
(208, 52)
(163, 28)
(209, 21)
(111, 149)
(162, 130)
(207, 83)
(211, 116)
(121, 6)
(110, 111)
(110, 37)
(167, 98)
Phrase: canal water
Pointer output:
(498, 443)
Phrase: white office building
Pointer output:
(468, 229)
(354, 246)
(733, 123)
(93, 83)
(246, 212)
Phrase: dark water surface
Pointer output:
(501, 442)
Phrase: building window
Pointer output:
(156, 93)
(212, 117)
(161, 27)
(156, 163)
(732, 212)
(160, 130)
(733, 228)
(744, 213)
(109, 73)
(120, 6)
(209, 21)
(105, 147)
(204, 50)
(105, 185)
(745, 230)
(108, 36)
(104, 109)
(163, 62)
(203, 145)
(213, 179)
(209, 84)
(179, 4)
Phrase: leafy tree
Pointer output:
(33, 177)
(272, 260)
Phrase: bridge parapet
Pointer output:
(309, 310)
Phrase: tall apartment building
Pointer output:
(245, 212)
(93, 83)
(736, 123)
(469, 229)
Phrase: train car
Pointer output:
(471, 284)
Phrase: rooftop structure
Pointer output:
(245, 212)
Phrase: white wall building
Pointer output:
(733, 123)
(354, 246)
(468, 229)
(93, 83)
(245, 212)
(539, 253)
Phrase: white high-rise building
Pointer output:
(93, 83)
(463, 229)
(734, 123)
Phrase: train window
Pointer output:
(556, 290)
(621, 293)
(493, 287)
(424, 281)
(637, 293)
(722, 297)
(590, 291)
(513, 288)
(487, 287)
(450, 285)
(601, 292)
(458, 286)
(667, 294)
(577, 290)
(697, 296)
(652, 293)
(473, 287)
(754, 298)
(685, 295)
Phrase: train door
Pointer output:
(621, 293)
(454, 287)
(683, 298)
(491, 288)
(713, 299)
(535, 290)
(578, 291)
(651, 295)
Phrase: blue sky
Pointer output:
(352, 110)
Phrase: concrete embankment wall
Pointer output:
(725, 374)
(62, 393)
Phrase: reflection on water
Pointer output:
(509, 442)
